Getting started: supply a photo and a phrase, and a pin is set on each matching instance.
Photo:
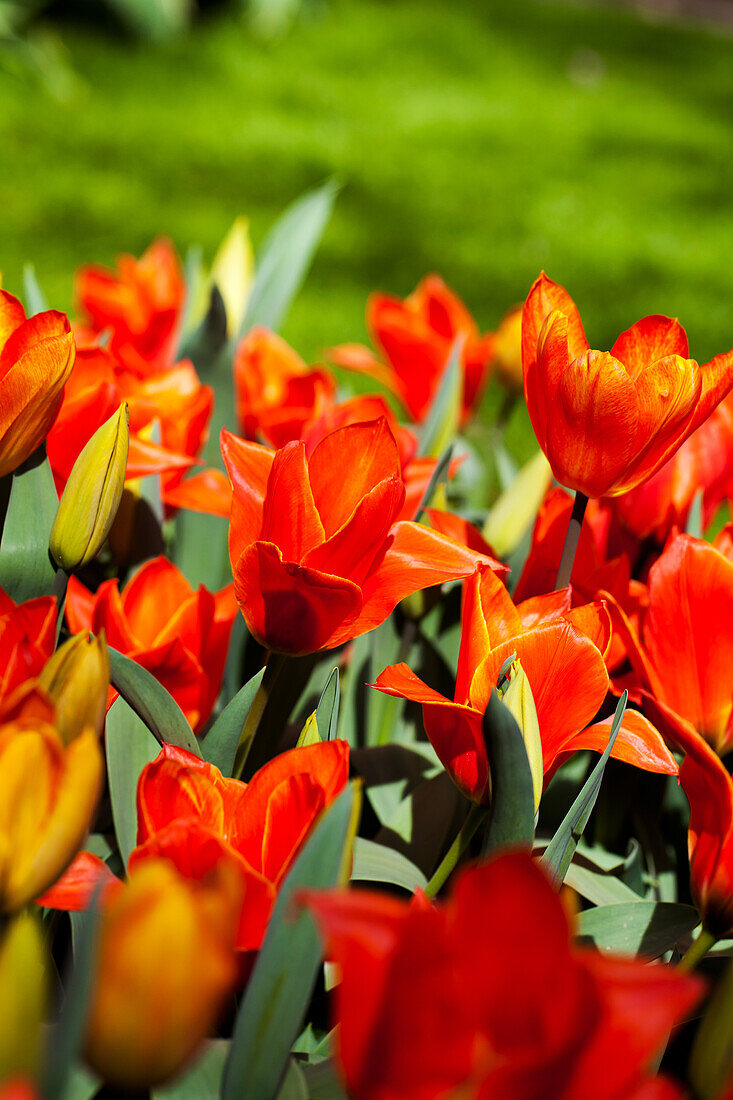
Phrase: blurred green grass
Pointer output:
(481, 140)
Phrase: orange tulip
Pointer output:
(179, 635)
(607, 421)
(416, 336)
(36, 357)
(48, 795)
(561, 652)
(318, 551)
(140, 304)
(27, 638)
(166, 964)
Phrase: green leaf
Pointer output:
(202, 1080)
(271, 1014)
(323, 1082)
(81, 1083)
(26, 569)
(439, 477)
(286, 255)
(221, 742)
(294, 1086)
(156, 20)
(376, 863)
(514, 512)
(66, 1036)
(512, 793)
(130, 746)
(441, 425)
(712, 1050)
(599, 888)
(694, 518)
(205, 344)
(637, 928)
(562, 846)
(149, 699)
(327, 711)
(35, 300)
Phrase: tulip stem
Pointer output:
(60, 584)
(476, 815)
(273, 667)
(697, 950)
(571, 540)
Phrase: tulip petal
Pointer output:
(152, 596)
(648, 340)
(12, 316)
(637, 743)
(86, 876)
(292, 608)
(248, 466)
(475, 642)
(289, 517)
(208, 492)
(33, 387)
(346, 465)
(717, 379)
(27, 336)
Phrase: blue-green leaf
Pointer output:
(512, 793)
(35, 300)
(221, 742)
(441, 425)
(376, 863)
(26, 569)
(130, 746)
(202, 1080)
(637, 928)
(149, 699)
(327, 711)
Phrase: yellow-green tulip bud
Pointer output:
(92, 495)
(23, 993)
(520, 701)
(77, 679)
(309, 735)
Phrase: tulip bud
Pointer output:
(508, 351)
(520, 701)
(77, 679)
(48, 795)
(310, 735)
(166, 964)
(92, 495)
(23, 993)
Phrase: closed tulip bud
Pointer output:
(519, 700)
(92, 495)
(77, 679)
(23, 992)
(48, 795)
(166, 964)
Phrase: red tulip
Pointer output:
(561, 651)
(140, 304)
(27, 639)
(486, 998)
(607, 421)
(416, 336)
(318, 551)
(36, 357)
(179, 635)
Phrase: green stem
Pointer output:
(571, 541)
(698, 949)
(60, 584)
(273, 667)
(476, 815)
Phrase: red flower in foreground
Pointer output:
(192, 816)
(140, 304)
(27, 638)
(318, 550)
(36, 357)
(561, 651)
(179, 635)
(486, 998)
(416, 336)
(607, 421)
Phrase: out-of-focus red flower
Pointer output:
(561, 651)
(179, 635)
(486, 998)
(36, 357)
(27, 638)
(681, 652)
(318, 551)
(192, 816)
(18, 1090)
(607, 421)
(140, 305)
(415, 336)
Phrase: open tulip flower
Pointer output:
(561, 651)
(318, 550)
(179, 635)
(36, 358)
(140, 304)
(607, 421)
(27, 635)
(416, 337)
(485, 997)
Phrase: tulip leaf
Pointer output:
(512, 792)
(285, 256)
(439, 477)
(710, 1061)
(599, 888)
(513, 514)
(35, 300)
(221, 742)
(271, 1013)
(65, 1038)
(442, 422)
(646, 928)
(26, 569)
(327, 711)
(130, 746)
(204, 345)
(376, 863)
(694, 525)
(323, 1082)
(294, 1086)
(149, 699)
(562, 846)
(81, 1083)
(202, 1080)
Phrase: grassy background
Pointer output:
(485, 140)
